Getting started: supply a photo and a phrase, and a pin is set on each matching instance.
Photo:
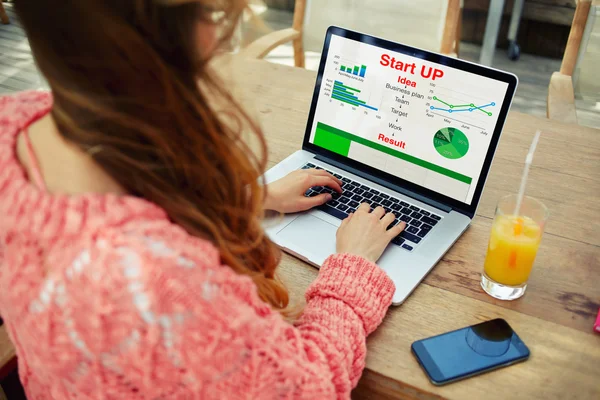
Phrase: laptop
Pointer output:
(404, 128)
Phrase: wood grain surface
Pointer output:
(555, 316)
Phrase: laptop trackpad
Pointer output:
(309, 237)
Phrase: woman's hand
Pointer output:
(286, 195)
(366, 234)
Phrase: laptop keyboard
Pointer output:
(419, 222)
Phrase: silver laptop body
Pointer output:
(413, 131)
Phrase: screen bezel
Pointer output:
(510, 79)
(427, 361)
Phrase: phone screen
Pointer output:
(469, 351)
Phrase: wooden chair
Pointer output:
(263, 46)
(433, 24)
(3, 14)
(578, 71)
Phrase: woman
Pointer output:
(132, 260)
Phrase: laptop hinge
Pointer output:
(382, 182)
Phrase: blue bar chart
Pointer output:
(355, 70)
(349, 95)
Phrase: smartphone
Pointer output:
(469, 351)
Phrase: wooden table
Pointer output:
(556, 315)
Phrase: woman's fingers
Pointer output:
(396, 229)
(306, 203)
(379, 211)
(330, 181)
(364, 207)
(388, 219)
(322, 172)
(345, 220)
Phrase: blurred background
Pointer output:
(534, 39)
(553, 46)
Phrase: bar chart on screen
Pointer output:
(349, 85)
(425, 122)
(346, 68)
(348, 95)
(357, 70)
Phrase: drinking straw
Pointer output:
(528, 161)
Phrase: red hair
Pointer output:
(124, 75)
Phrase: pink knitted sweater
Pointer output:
(105, 298)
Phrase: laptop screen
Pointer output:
(423, 122)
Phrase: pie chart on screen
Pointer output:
(451, 143)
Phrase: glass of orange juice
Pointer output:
(513, 245)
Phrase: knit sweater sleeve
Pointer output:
(159, 323)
